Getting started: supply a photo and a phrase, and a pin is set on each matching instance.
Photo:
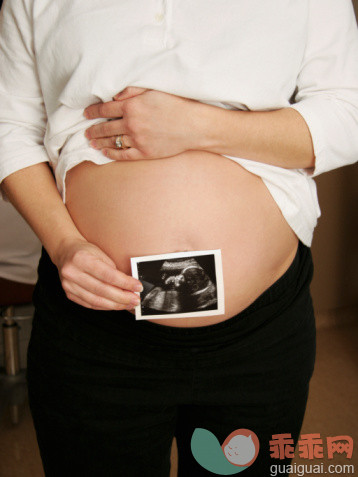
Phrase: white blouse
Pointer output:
(59, 56)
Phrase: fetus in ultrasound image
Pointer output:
(178, 285)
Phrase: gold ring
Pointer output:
(119, 142)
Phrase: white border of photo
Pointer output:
(220, 310)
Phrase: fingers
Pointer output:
(111, 109)
(105, 129)
(130, 154)
(101, 271)
(110, 142)
(129, 92)
(96, 295)
(78, 300)
(96, 303)
(110, 150)
(105, 290)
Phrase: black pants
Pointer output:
(108, 393)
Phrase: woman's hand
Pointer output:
(90, 278)
(154, 124)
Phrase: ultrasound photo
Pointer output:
(180, 284)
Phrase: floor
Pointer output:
(332, 409)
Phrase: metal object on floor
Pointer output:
(11, 343)
(13, 388)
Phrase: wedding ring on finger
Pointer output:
(119, 142)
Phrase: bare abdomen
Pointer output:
(192, 201)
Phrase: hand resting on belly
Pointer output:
(166, 192)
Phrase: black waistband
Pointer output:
(271, 302)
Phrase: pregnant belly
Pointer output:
(192, 201)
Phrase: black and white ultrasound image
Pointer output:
(178, 285)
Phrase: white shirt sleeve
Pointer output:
(22, 113)
(327, 85)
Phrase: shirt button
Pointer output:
(159, 17)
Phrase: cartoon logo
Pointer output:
(236, 454)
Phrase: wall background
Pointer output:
(334, 247)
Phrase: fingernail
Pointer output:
(85, 114)
(93, 144)
(87, 134)
(138, 288)
(135, 302)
